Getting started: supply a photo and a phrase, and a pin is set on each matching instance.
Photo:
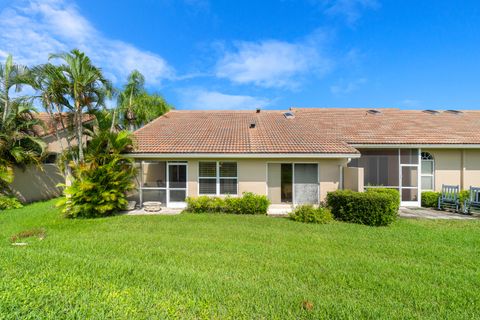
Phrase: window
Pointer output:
(428, 171)
(217, 178)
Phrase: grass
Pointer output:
(225, 266)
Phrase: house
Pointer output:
(299, 155)
(34, 183)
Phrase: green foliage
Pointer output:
(249, 203)
(9, 202)
(464, 195)
(309, 214)
(135, 106)
(430, 199)
(99, 189)
(374, 208)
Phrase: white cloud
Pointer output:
(31, 30)
(273, 63)
(346, 87)
(200, 99)
(350, 9)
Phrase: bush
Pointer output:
(204, 204)
(8, 202)
(430, 199)
(99, 189)
(249, 203)
(464, 195)
(377, 207)
(309, 214)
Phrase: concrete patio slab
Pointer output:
(426, 213)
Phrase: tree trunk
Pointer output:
(79, 132)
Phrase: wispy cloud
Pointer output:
(31, 30)
(274, 63)
(345, 87)
(351, 10)
(200, 99)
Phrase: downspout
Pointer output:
(463, 171)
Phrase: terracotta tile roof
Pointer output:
(310, 131)
(50, 123)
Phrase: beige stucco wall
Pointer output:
(471, 168)
(353, 179)
(456, 167)
(33, 184)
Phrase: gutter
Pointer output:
(242, 155)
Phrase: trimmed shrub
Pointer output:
(249, 203)
(204, 204)
(309, 214)
(8, 202)
(374, 208)
(464, 195)
(430, 199)
(392, 192)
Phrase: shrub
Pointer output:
(9, 202)
(392, 192)
(464, 195)
(204, 204)
(430, 199)
(375, 208)
(309, 214)
(249, 203)
(99, 189)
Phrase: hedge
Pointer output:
(248, 203)
(375, 207)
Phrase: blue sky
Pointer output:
(203, 54)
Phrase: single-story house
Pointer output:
(299, 155)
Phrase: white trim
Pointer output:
(416, 146)
(241, 155)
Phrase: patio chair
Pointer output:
(473, 201)
(449, 198)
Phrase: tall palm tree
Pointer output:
(52, 85)
(136, 106)
(11, 76)
(86, 88)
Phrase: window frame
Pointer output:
(217, 179)
(430, 159)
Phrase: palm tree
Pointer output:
(136, 106)
(86, 89)
(11, 76)
(52, 91)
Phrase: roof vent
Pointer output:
(289, 115)
(454, 112)
(374, 112)
(253, 125)
(258, 110)
(431, 111)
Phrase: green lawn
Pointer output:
(224, 266)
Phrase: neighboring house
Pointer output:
(297, 156)
(34, 183)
